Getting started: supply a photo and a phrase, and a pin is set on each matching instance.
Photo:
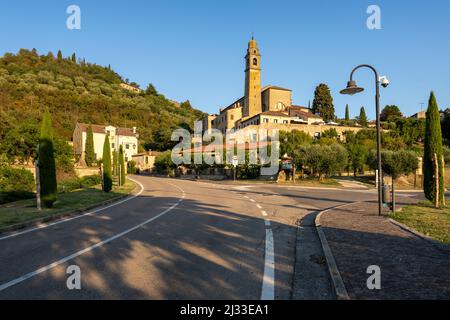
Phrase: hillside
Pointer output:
(77, 91)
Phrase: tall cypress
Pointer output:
(347, 113)
(89, 153)
(122, 166)
(363, 117)
(114, 167)
(433, 145)
(107, 175)
(47, 166)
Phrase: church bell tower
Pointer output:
(252, 99)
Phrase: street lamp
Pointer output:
(352, 89)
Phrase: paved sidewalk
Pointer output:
(411, 268)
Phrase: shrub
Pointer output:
(15, 184)
(90, 181)
(47, 165)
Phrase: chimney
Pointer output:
(134, 130)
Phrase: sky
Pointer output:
(194, 49)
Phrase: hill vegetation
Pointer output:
(77, 91)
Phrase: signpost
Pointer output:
(38, 180)
(235, 164)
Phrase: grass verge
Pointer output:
(25, 210)
(424, 218)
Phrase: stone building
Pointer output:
(125, 137)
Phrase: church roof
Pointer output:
(274, 87)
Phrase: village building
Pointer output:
(125, 137)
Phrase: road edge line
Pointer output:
(43, 223)
(336, 279)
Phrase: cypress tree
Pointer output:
(433, 145)
(107, 176)
(122, 167)
(74, 58)
(114, 168)
(363, 117)
(89, 153)
(347, 113)
(59, 55)
(47, 166)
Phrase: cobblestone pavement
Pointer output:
(411, 268)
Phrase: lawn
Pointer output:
(313, 182)
(426, 219)
(25, 210)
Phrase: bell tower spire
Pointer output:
(252, 99)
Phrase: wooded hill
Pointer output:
(78, 91)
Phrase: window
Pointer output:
(127, 146)
(113, 145)
(255, 62)
(285, 122)
(134, 146)
(266, 120)
(275, 121)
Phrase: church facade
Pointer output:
(268, 107)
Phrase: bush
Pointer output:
(131, 167)
(90, 181)
(69, 184)
(15, 184)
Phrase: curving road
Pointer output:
(177, 239)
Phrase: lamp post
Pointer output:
(352, 89)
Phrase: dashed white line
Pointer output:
(264, 213)
(268, 286)
(258, 206)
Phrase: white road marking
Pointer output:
(264, 213)
(268, 286)
(90, 213)
(252, 200)
(95, 246)
(258, 206)
(246, 197)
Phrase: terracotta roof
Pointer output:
(274, 87)
(275, 113)
(101, 129)
(307, 114)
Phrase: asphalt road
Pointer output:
(179, 240)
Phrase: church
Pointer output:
(268, 107)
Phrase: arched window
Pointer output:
(255, 62)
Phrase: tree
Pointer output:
(89, 153)
(60, 56)
(74, 58)
(323, 103)
(122, 167)
(115, 163)
(433, 146)
(151, 90)
(357, 156)
(347, 113)
(396, 164)
(362, 120)
(446, 126)
(106, 159)
(47, 165)
(390, 113)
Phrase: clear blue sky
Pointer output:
(195, 49)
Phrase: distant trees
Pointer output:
(446, 126)
(151, 90)
(59, 56)
(74, 58)
(362, 119)
(323, 103)
(347, 113)
(432, 150)
(47, 166)
(323, 160)
(106, 160)
(390, 113)
(89, 153)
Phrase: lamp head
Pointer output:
(352, 88)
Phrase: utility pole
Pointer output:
(38, 185)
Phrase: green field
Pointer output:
(25, 210)
(427, 220)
